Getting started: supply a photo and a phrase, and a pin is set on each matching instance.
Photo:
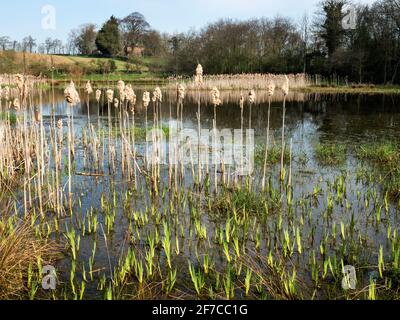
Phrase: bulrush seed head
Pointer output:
(181, 92)
(285, 86)
(146, 99)
(130, 94)
(157, 95)
(271, 89)
(71, 95)
(98, 95)
(216, 97)
(110, 95)
(241, 101)
(88, 88)
(199, 75)
(16, 104)
(252, 96)
(121, 86)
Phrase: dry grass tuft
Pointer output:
(277, 277)
(20, 250)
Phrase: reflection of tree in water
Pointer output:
(352, 117)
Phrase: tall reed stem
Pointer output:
(283, 140)
(267, 146)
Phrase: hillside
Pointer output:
(91, 67)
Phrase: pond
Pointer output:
(141, 229)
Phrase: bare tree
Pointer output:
(84, 38)
(28, 43)
(71, 42)
(57, 46)
(133, 27)
(304, 25)
(4, 42)
(41, 48)
(49, 45)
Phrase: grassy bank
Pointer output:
(65, 67)
(361, 89)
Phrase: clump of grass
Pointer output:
(330, 154)
(239, 199)
(276, 279)
(274, 155)
(393, 183)
(20, 253)
(387, 152)
(385, 156)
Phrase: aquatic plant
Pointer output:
(330, 154)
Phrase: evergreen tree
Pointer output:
(108, 39)
(331, 29)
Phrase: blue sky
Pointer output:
(19, 18)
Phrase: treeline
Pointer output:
(368, 53)
(367, 50)
(29, 44)
(227, 46)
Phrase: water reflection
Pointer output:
(339, 116)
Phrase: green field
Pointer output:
(148, 71)
(80, 67)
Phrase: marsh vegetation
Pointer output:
(79, 193)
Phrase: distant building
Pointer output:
(138, 51)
